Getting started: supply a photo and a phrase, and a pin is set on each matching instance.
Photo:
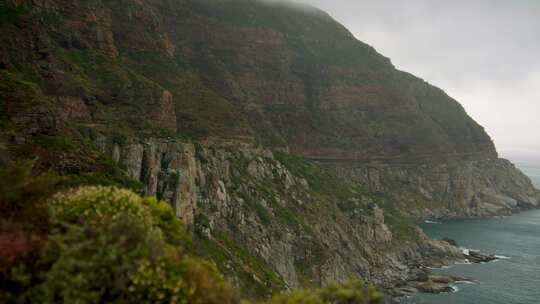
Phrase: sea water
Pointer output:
(514, 278)
(531, 169)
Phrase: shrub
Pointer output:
(109, 245)
(21, 189)
(352, 292)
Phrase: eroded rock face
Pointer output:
(252, 206)
(246, 198)
(73, 109)
(165, 116)
(449, 189)
(167, 170)
(103, 38)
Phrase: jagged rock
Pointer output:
(433, 287)
(202, 181)
(165, 115)
(475, 256)
(116, 154)
(450, 241)
(377, 231)
(448, 190)
(168, 170)
(131, 157)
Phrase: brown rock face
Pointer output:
(103, 38)
(166, 114)
(73, 109)
(244, 72)
(168, 170)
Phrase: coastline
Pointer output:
(511, 276)
(428, 281)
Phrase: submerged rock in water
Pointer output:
(475, 256)
(450, 241)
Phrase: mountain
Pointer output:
(295, 154)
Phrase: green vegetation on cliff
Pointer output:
(109, 245)
(239, 70)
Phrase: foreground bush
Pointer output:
(352, 292)
(23, 213)
(107, 245)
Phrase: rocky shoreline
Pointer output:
(425, 281)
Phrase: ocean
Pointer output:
(513, 279)
(532, 170)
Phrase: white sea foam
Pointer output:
(431, 222)
(441, 267)
(465, 282)
(467, 251)
(502, 257)
(465, 262)
(454, 288)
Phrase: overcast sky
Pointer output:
(484, 53)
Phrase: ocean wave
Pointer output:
(431, 222)
(467, 251)
(502, 257)
(465, 262)
(454, 288)
(440, 267)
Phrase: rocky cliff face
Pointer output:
(275, 222)
(243, 71)
(455, 189)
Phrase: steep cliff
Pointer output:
(244, 71)
(295, 153)
(273, 221)
(452, 189)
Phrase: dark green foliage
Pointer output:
(92, 166)
(352, 292)
(348, 197)
(14, 87)
(320, 180)
(103, 172)
(256, 278)
(218, 93)
(313, 33)
(10, 14)
(109, 245)
(55, 143)
(23, 213)
(2, 106)
(23, 189)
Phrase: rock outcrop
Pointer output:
(166, 113)
(250, 205)
(453, 189)
(167, 170)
